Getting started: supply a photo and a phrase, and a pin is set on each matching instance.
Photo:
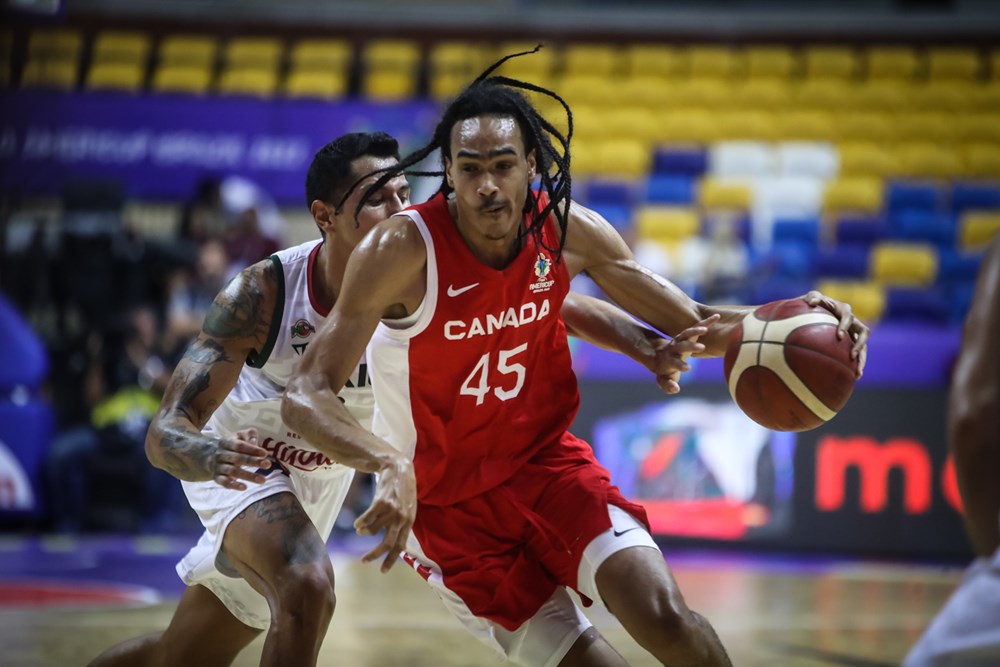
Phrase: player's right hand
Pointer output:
(671, 357)
(393, 510)
(237, 459)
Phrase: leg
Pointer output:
(202, 633)
(277, 549)
(592, 650)
(639, 589)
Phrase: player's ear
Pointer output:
(447, 173)
(322, 213)
(532, 164)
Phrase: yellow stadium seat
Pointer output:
(768, 94)
(632, 123)
(588, 123)
(321, 54)
(749, 124)
(867, 298)
(981, 126)
(316, 84)
(891, 63)
(717, 62)
(188, 50)
(770, 62)
(252, 53)
(248, 81)
(934, 126)
(452, 66)
(824, 94)
(189, 79)
(389, 85)
(903, 264)
(716, 193)
(536, 68)
(666, 224)
(930, 160)
(977, 228)
(591, 59)
(390, 69)
(881, 96)
(702, 92)
(580, 89)
(57, 43)
(945, 95)
(830, 62)
(865, 126)
(859, 194)
(586, 160)
(959, 63)
(656, 60)
(650, 92)
(127, 77)
(112, 46)
(981, 159)
(58, 74)
(864, 158)
(806, 125)
(623, 158)
(985, 96)
(690, 125)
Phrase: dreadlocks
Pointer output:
(500, 96)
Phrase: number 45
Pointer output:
(480, 372)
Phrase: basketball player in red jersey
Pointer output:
(475, 393)
(966, 632)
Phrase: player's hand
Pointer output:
(671, 356)
(393, 511)
(232, 457)
(849, 325)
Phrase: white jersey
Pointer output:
(256, 399)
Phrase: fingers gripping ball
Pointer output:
(785, 367)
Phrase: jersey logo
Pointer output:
(543, 266)
(461, 290)
(302, 329)
(299, 348)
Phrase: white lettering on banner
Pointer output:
(198, 149)
(86, 145)
(280, 153)
(528, 313)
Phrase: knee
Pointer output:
(306, 592)
(674, 632)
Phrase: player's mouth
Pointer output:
(493, 209)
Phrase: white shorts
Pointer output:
(545, 639)
(966, 631)
(321, 494)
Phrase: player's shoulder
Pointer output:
(395, 239)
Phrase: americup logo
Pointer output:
(543, 266)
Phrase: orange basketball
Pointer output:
(785, 367)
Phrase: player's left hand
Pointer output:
(672, 355)
(849, 325)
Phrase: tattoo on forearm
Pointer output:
(237, 311)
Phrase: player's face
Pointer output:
(490, 173)
(385, 202)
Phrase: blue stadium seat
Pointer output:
(960, 297)
(967, 195)
(619, 215)
(791, 259)
(619, 193)
(680, 161)
(861, 230)
(843, 261)
(915, 225)
(802, 230)
(777, 288)
(904, 304)
(957, 267)
(670, 189)
(914, 195)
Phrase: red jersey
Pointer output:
(480, 378)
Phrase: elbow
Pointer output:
(293, 402)
(154, 453)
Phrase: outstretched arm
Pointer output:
(974, 410)
(237, 323)
(384, 278)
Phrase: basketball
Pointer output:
(785, 367)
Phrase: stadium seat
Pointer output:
(748, 125)
(959, 266)
(654, 60)
(633, 123)
(188, 50)
(977, 228)
(984, 96)
(930, 160)
(617, 192)
(882, 96)
(778, 288)
(741, 159)
(710, 62)
(790, 259)
(857, 194)
(981, 159)
(711, 94)
(867, 298)
(949, 96)
(891, 63)
(451, 66)
(843, 262)
(935, 126)
(782, 197)
(390, 68)
(55, 44)
(970, 195)
(817, 159)
(248, 81)
(979, 126)
(830, 62)
(908, 195)
(55, 74)
(252, 53)
(537, 68)
(871, 126)
(687, 126)
(858, 231)
(680, 161)
(953, 63)
(591, 59)
(922, 305)
(316, 84)
(806, 125)
(321, 54)
(803, 231)
(113, 46)
(389, 86)
(647, 92)
(665, 224)
(110, 75)
(763, 94)
(770, 62)
(717, 193)
(619, 215)
(867, 158)
(829, 95)
(923, 225)
(910, 264)
(182, 78)
(670, 189)
(589, 89)
(623, 158)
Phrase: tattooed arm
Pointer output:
(236, 324)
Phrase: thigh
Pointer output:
(626, 532)
(204, 632)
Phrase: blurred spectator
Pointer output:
(191, 295)
(726, 263)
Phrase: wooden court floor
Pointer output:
(769, 611)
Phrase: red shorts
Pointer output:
(505, 551)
